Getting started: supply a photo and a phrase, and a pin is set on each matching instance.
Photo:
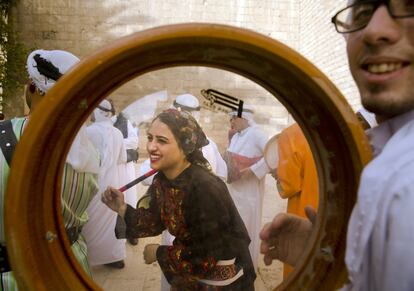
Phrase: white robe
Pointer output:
(213, 156)
(131, 142)
(379, 248)
(248, 193)
(99, 232)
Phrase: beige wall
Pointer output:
(320, 43)
(81, 26)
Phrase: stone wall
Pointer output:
(83, 26)
(321, 44)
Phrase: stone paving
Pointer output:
(138, 276)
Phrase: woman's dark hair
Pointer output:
(188, 133)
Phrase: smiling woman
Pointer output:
(164, 150)
(338, 143)
(210, 248)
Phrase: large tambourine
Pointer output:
(271, 152)
(38, 248)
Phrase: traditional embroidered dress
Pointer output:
(219, 168)
(210, 249)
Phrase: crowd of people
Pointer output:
(207, 205)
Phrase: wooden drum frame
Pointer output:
(38, 248)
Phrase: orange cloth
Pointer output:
(296, 171)
(296, 174)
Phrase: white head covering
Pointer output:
(83, 156)
(369, 117)
(103, 112)
(189, 103)
(247, 114)
(106, 138)
(45, 67)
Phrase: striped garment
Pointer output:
(7, 280)
(78, 190)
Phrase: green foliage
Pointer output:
(12, 63)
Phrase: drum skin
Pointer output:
(38, 248)
(271, 153)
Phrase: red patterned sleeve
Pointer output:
(145, 220)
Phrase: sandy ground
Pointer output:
(138, 276)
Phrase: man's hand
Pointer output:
(150, 253)
(273, 173)
(246, 173)
(286, 237)
(230, 134)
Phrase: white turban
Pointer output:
(188, 103)
(45, 67)
(369, 117)
(103, 112)
(247, 114)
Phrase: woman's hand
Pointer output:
(150, 253)
(114, 199)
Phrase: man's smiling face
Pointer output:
(381, 59)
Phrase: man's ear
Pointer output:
(36, 98)
(28, 95)
(32, 99)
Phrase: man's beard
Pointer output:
(387, 109)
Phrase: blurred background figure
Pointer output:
(246, 172)
(104, 247)
(131, 142)
(297, 178)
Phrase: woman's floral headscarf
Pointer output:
(188, 133)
